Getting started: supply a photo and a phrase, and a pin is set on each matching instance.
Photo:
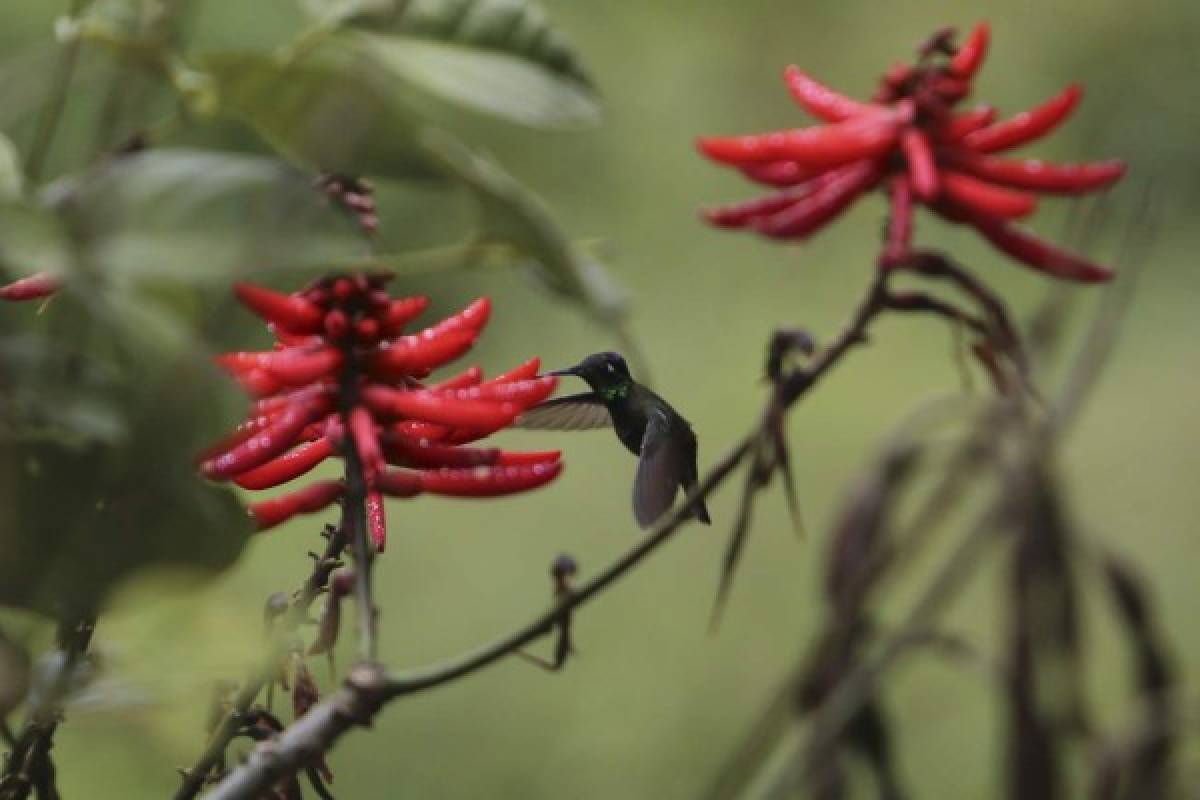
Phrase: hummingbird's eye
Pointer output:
(611, 368)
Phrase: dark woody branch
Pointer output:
(29, 767)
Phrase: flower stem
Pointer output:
(360, 548)
(47, 125)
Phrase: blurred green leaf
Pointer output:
(14, 674)
(189, 215)
(518, 28)
(32, 240)
(101, 415)
(25, 77)
(512, 214)
(11, 179)
(494, 82)
(330, 108)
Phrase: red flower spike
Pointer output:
(376, 521)
(966, 62)
(298, 367)
(1041, 176)
(367, 331)
(509, 458)
(967, 122)
(289, 466)
(337, 325)
(739, 215)
(519, 373)
(911, 139)
(824, 147)
(398, 483)
(821, 101)
(347, 377)
(291, 313)
(780, 174)
(472, 376)
(239, 434)
(1026, 126)
(280, 401)
(442, 409)
(1029, 249)
(278, 436)
(31, 287)
(813, 212)
(488, 481)
(525, 393)
(401, 312)
(419, 431)
(986, 199)
(920, 164)
(471, 318)
(899, 232)
(259, 383)
(309, 500)
(418, 353)
(366, 442)
(424, 454)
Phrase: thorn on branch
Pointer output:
(562, 570)
(769, 454)
(785, 342)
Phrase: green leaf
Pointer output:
(25, 78)
(517, 28)
(15, 672)
(329, 108)
(494, 82)
(512, 214)
(101, 415)
(191, 215)
(32, 240)
(12, 181)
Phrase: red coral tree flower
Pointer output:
(910, 139)
(344, 380)
(31, 287)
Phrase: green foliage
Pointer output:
(31, 239)
(511, 88)
(512, 214)
(102, 411)
(329, 109)
(502, 57)
(194, 215)
(516, 28)
(11, 180)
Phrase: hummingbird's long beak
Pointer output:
(565, 371)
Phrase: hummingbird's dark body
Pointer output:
(645, 423)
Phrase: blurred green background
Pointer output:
(654, 702)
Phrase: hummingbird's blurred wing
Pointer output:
(659, 469)
(575, 412)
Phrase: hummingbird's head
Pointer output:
(601, 371)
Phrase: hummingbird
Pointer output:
(644, 422)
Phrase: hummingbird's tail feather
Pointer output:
(698, 511)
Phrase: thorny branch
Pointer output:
(195, 776)
(29, 767)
